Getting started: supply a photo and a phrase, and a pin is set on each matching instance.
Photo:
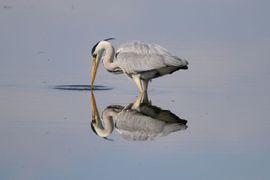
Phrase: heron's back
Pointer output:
(150, 60)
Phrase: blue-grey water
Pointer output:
(45, 133)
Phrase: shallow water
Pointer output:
(45, 133)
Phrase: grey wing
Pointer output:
(136, 126)
(136, 56)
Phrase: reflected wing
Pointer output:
(136, 56)
(161, 114)
(135, 126)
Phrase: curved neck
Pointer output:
(105, 127)
(107, 51)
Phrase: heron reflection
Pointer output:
(138, 121)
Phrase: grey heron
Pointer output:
(138, 60)
(139, 121)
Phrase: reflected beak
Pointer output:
(102, 130)
(94, 71)
(94, 108)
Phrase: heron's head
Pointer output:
(97, 52)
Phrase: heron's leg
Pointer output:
(137, 102)
(145, 98)
(137, 80)
(145, 85)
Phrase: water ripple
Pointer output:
(81, 87)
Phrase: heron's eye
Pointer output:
(94, 55)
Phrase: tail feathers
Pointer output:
(183, 67)
(181, 62)
(169, 128)
(184, 64)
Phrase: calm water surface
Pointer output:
(45, 133)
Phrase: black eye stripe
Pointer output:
(94, 47)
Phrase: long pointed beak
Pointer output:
(94, 71)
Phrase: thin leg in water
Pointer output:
(137, 80)
(145, 95)
(137, 102)
(145, 85)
